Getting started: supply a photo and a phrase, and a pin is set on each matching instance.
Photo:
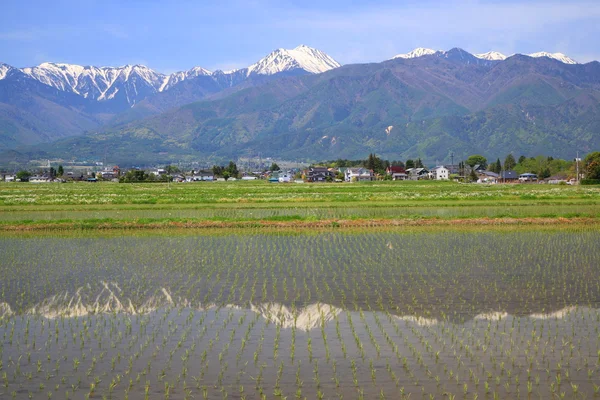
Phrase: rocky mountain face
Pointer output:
(100, 95)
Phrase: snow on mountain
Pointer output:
(5, 69)
(134, 82)
(491, 56)
(556, 56)
(99, 83)
(302, 57)
(170, 80)
(418, 52)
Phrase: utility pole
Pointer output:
(577, 159)
(452, 159)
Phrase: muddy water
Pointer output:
(327, 351)
(331, 315)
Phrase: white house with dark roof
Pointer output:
(358, 175)
(440, 173)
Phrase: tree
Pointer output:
(232, 169)
(274, 167)
(419, 163)
(172, 169)
(23, 175)
(374, 163)
(475, 159)
(496, 166)
(410, 164)
(217, 170)
(522, 159)
(509, 162)
(592, 165)
(61, 170)
(544, 173)
(52, 172)
(397, 164)
(473, 176)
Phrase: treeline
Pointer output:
(542, 166)
(373, 162)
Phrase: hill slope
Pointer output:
(428, 106)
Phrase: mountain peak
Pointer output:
(5, 69)
(491, 56)
(302, 57)
(418, 52)
(556, 56)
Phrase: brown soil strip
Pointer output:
(326, 223)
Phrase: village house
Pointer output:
(487, 177)
(439, 173)
(159, 171)
(417, 173)
(201, 176)
(40, 179)
(509, 176)
(556, 179)
(397, 173)
(358, 175)
(8, 178)
(285, 177)
(528, 177)
(319, 174)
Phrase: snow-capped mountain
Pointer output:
(491, 56)
(132, 83)
(5, 69)
(176, 77)
(556, 56)
(418, 52)
(99, 83)
(302, 57)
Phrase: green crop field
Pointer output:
(90, 205)
(250, 290)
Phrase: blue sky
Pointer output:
(176, 35)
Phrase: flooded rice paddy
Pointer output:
(330, 314)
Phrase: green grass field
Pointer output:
(106, 204)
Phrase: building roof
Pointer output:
(509, 174)
(395, 169)
(360, 171)
(489, 173)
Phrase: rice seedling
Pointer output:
(371, 313)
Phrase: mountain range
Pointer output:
(302, 104)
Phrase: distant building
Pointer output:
(40, 179)
(319, 174)
(358, 175)
(159, 171)
(397, 173)
(528, 177)
(285, 177)
(201, 176)
(509, 176)
(487, 177)
(417, 173)
(440, 173)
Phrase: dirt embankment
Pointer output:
(326, 223)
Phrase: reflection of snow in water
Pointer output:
(306, 318)
(418, 320)
(492, 316)
(5, 310)
(560, 314)
(110, 300)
